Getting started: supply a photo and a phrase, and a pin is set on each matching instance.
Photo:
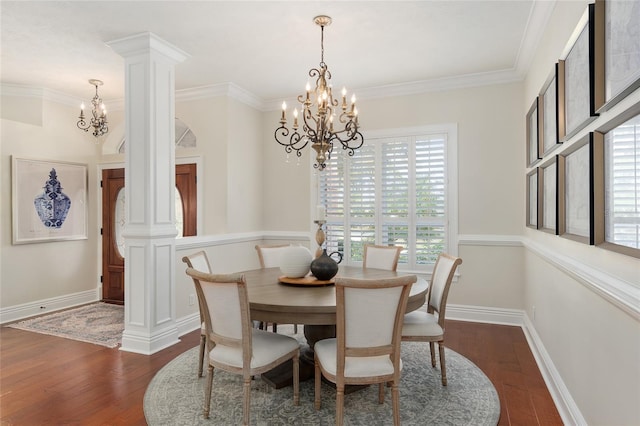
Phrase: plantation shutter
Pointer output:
(392, 191)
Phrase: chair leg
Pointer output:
(443, 368)
(275, 327)
(339, 404)
(207, 394)
(203, 343)
(296, 380)
(433, 354)
(247, 400)
(380, 393)
(395, 398)
(317, 384)
(295, 328)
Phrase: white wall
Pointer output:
(245, 165)
(207, 118)
(490, 158)
(33, 272)
(593, 342)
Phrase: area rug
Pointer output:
(98, 323)
(175, 396)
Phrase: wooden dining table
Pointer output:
(312, 305)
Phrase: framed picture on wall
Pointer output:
(620, 55)
(533, 135)
(549, 116)
(579, 79)
(581, 193)
(533, 197)
(548, 199)
(620, 214)
(49, 201)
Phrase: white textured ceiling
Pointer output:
(268, 47)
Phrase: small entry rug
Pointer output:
(98, 323)
(175, 396)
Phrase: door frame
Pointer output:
(197, 159)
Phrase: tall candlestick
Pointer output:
(321, 212)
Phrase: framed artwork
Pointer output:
(580, 189)
(549, 116)
(533, 135)
(620, 217)
(533, 196)
(620, 54)
(548, 196)
(49, 201)
(579, 78)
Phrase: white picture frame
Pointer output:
(49, 201)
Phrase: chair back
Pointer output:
(381, 257)
(226, 309)
(269, 256)
(441, 279)
(198, 261)
(369, 314)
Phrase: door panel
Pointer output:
(113, 263)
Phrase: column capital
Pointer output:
(147, 42)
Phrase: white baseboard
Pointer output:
(565, 404)
(567, 408)
(18, 312)
(188, 323)
(485, 314)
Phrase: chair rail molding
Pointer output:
(623, 294)
(490, 240)
(201, 241)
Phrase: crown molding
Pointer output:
(538, 19)
(230, 90)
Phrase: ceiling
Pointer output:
(268, 47)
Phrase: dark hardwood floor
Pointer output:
(47, 380)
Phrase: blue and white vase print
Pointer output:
(52, 205)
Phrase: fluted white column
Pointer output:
(150, 231)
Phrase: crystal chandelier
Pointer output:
(319, 116)
(98, 120)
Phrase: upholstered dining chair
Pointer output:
(381, 257)
(200, 262)
(234, 345)
(269, 257)
(366, 349)
(421, 326)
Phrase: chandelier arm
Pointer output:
(293, 142)
(353, 140)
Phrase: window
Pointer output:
(399, 189)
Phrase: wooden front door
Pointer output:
(113, 211)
